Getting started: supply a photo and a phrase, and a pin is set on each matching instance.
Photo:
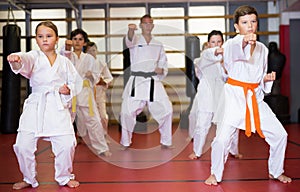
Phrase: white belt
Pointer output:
(42, 103)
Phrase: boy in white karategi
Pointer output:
(212, 77)
(144, 87)
(54, 81)
(101, 87)
(245, 60)
(88, 120)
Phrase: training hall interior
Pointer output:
(182, 27)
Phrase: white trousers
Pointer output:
(91, 127)
(63, 147)
(101, 105)
(275, 136)
(161, 111)
(200, 124)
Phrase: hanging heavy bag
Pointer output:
(10, 99)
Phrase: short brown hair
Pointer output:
(80, 31)
(242, 11)
(145, 16)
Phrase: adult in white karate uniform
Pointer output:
(88, 120)
(245, 60)
(46, 115)
(102, 86)
(212, 77)
(144, 87)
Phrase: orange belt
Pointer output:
(251, 87)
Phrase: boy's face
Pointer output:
(247, 24)
(147, 25)
(78, 42)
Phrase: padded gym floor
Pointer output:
(147, 167)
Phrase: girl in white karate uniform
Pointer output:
(88, 120)
(102, 86)
(54, 82)
(212, 77)
(245, 60)
(144, 87)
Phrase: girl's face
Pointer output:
(215, 41)
(46, 39)
(78, 42)
(247, 24)
(92, 50)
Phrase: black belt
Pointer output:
(145, 75)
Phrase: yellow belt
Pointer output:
(86, 83)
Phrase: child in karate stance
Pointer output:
(245, 60)
(212, 77)
(46, 112)
(101, 86)
(88, 120)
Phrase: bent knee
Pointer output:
(22, 149)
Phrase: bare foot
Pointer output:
(211, 180)
(106, 154)
(193, 156)
(238, 156)
(282, 178)
(124, 148)
(189, 138)
(20, 185)
(107, 141)
(51, 155)
(73, 184)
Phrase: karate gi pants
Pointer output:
(275, 136)
(63, 147)
(91, 126)
(101, 105)
(161, 111)
(200, 124)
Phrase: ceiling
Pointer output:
(113, 1)
(295, 6)
(289, 5)
(117, 1)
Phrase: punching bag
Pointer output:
(192, 51)
(10, 100)
(277, 102)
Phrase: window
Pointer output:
(118, 27)
(53, 14)
(206, 25)
(171, 33)
(95, 29)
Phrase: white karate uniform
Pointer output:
(212, 78)
(145, 58)
(88, 124)
(46, 114)
(243, 67)
(100, 93)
